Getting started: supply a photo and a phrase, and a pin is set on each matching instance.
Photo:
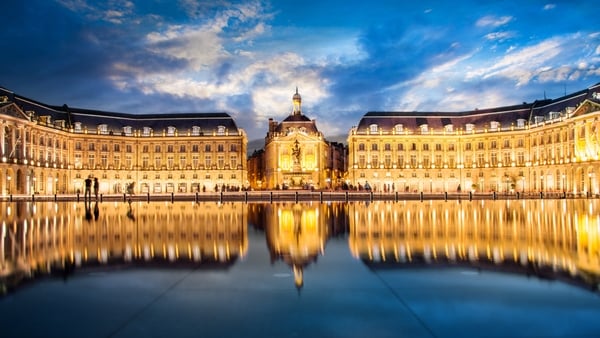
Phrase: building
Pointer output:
(544, 146)
(49, 149)
(296, 155)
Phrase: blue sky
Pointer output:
(346, 57)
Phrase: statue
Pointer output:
(296, 152)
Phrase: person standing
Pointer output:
(87, 193)
(96, 187)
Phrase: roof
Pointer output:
(116, 121)
(478, 117)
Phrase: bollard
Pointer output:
(470, 195)
(271, 196)
(101, 197)
(494, 195)
(246, 197)
(124, 198)
(421, 196)
(32, 198)
(10, 197)
(446, 196)
(541, 195)
(371, 196)
(77, 197)
(321, 197)
(296, 197)
(346, 197)
(148, 197)
(196, 197)
(55, 199)
(172, 198)
(396, 196)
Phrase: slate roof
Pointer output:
(89, 118)
(505, 115)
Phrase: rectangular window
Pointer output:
(78, 161)
(116, 147)
(207, 162)
(170, 162)
(91, 161)
(170, 148)
(374, 161)
(145, 161)
(468, 146)
(233, 160)
(117, 161)
(157, 149)
(506, 161)
(195, 161)
(104, 161)
(128, 162)
(157, 161)
(182, 163)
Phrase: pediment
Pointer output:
(11, 109)
(586, 107)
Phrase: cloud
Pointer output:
(113, 11)
(498, 36)
(548, 7)
(493, 21)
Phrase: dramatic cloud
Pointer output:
(247, 57)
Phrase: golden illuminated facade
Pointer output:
(546, 146)
(49, 150)
(295, 154)
(39, 237)
(560, 235)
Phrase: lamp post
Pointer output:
(8, 188)
(564, 187)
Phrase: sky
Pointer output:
(346, 58)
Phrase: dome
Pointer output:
(297, 96)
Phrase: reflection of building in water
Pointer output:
(296, 234)
(556, 234)
(38, 236)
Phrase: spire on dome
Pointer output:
(297, 100)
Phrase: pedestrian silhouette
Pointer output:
(88, 186)
(96, 187)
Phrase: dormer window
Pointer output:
(77, 127)
(146, 131)
(494, 125)
(221, 130)
(554, 115)
(171, 131)
(520, 123)
(399, 128)
(538, 119)
(449, 128)
(59, 123)
(195, 131)
(424, 128)
(373, 128)
(469, 127)
(127, 130)
(103, 129)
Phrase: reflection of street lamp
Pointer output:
(589, 189)
(564, 187)
(8, 179)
